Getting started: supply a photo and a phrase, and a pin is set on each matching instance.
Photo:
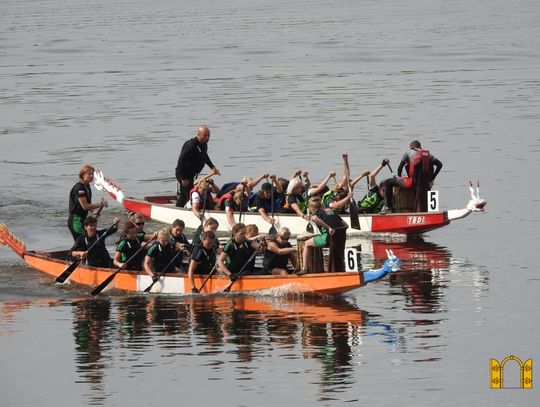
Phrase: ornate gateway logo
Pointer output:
(497, 373)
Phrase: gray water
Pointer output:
(282, 85)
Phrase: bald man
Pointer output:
(192, 159)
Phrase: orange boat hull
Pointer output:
(319, 283)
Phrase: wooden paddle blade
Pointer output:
(68, 271)
(272, 231)
(104, 284)
(309, 228)
(353, 211)
(147, 289)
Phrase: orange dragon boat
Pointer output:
(324, 283)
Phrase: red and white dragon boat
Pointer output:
(163, 209)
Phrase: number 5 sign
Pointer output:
(351, 260)
(433, 201)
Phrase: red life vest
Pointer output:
(210, 202)
(418, 163)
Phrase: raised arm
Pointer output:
(323, 184)
(355, 181)
(252, 184)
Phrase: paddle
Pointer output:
(353, 208)
(208, 278)
(241, 272)
(272, 230)
(108, 280)
(155, 279)
(390, 168)
(242, 203)
(200, 228)
(71, 268)
(309, 226)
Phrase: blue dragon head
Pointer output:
(392, 264)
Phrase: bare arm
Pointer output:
(319, 222)
(323, 184)
(230, 216)
(116, 260)
(296, 174)
(149, 266)
(265, 216)
(342, 202)
(296, 208)
(90, 206)
(191, 272)
(222, 265)
(274, 248)
(253, 184)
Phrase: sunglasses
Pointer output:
(139, 223)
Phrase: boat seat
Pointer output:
(315, 256)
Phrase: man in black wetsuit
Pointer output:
(192, 159)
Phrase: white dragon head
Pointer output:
(101, 182)
(476, 204)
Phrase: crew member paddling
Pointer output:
(159, 256)
(237, 253)
(98, 256)
(203, 258)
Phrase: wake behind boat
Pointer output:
(321, 283)
(163, 209)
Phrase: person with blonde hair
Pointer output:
(159, 257)
(80, 201)
(200, 197)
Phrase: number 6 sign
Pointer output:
(351, 261)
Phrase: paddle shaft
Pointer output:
(73, 266)
(155, 280)
(272, 230)
(204, 206)
(241, 272)
(208, 278)
(353, 209)
(110, 278)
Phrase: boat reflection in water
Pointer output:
(238, 331)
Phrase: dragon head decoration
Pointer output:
(101, 182)
(476, 204)
(392, 264)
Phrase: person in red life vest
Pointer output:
(422, 169)
(193, 157)
(200, 197)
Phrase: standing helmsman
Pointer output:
(192, 159)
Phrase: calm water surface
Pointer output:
(283, 85)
